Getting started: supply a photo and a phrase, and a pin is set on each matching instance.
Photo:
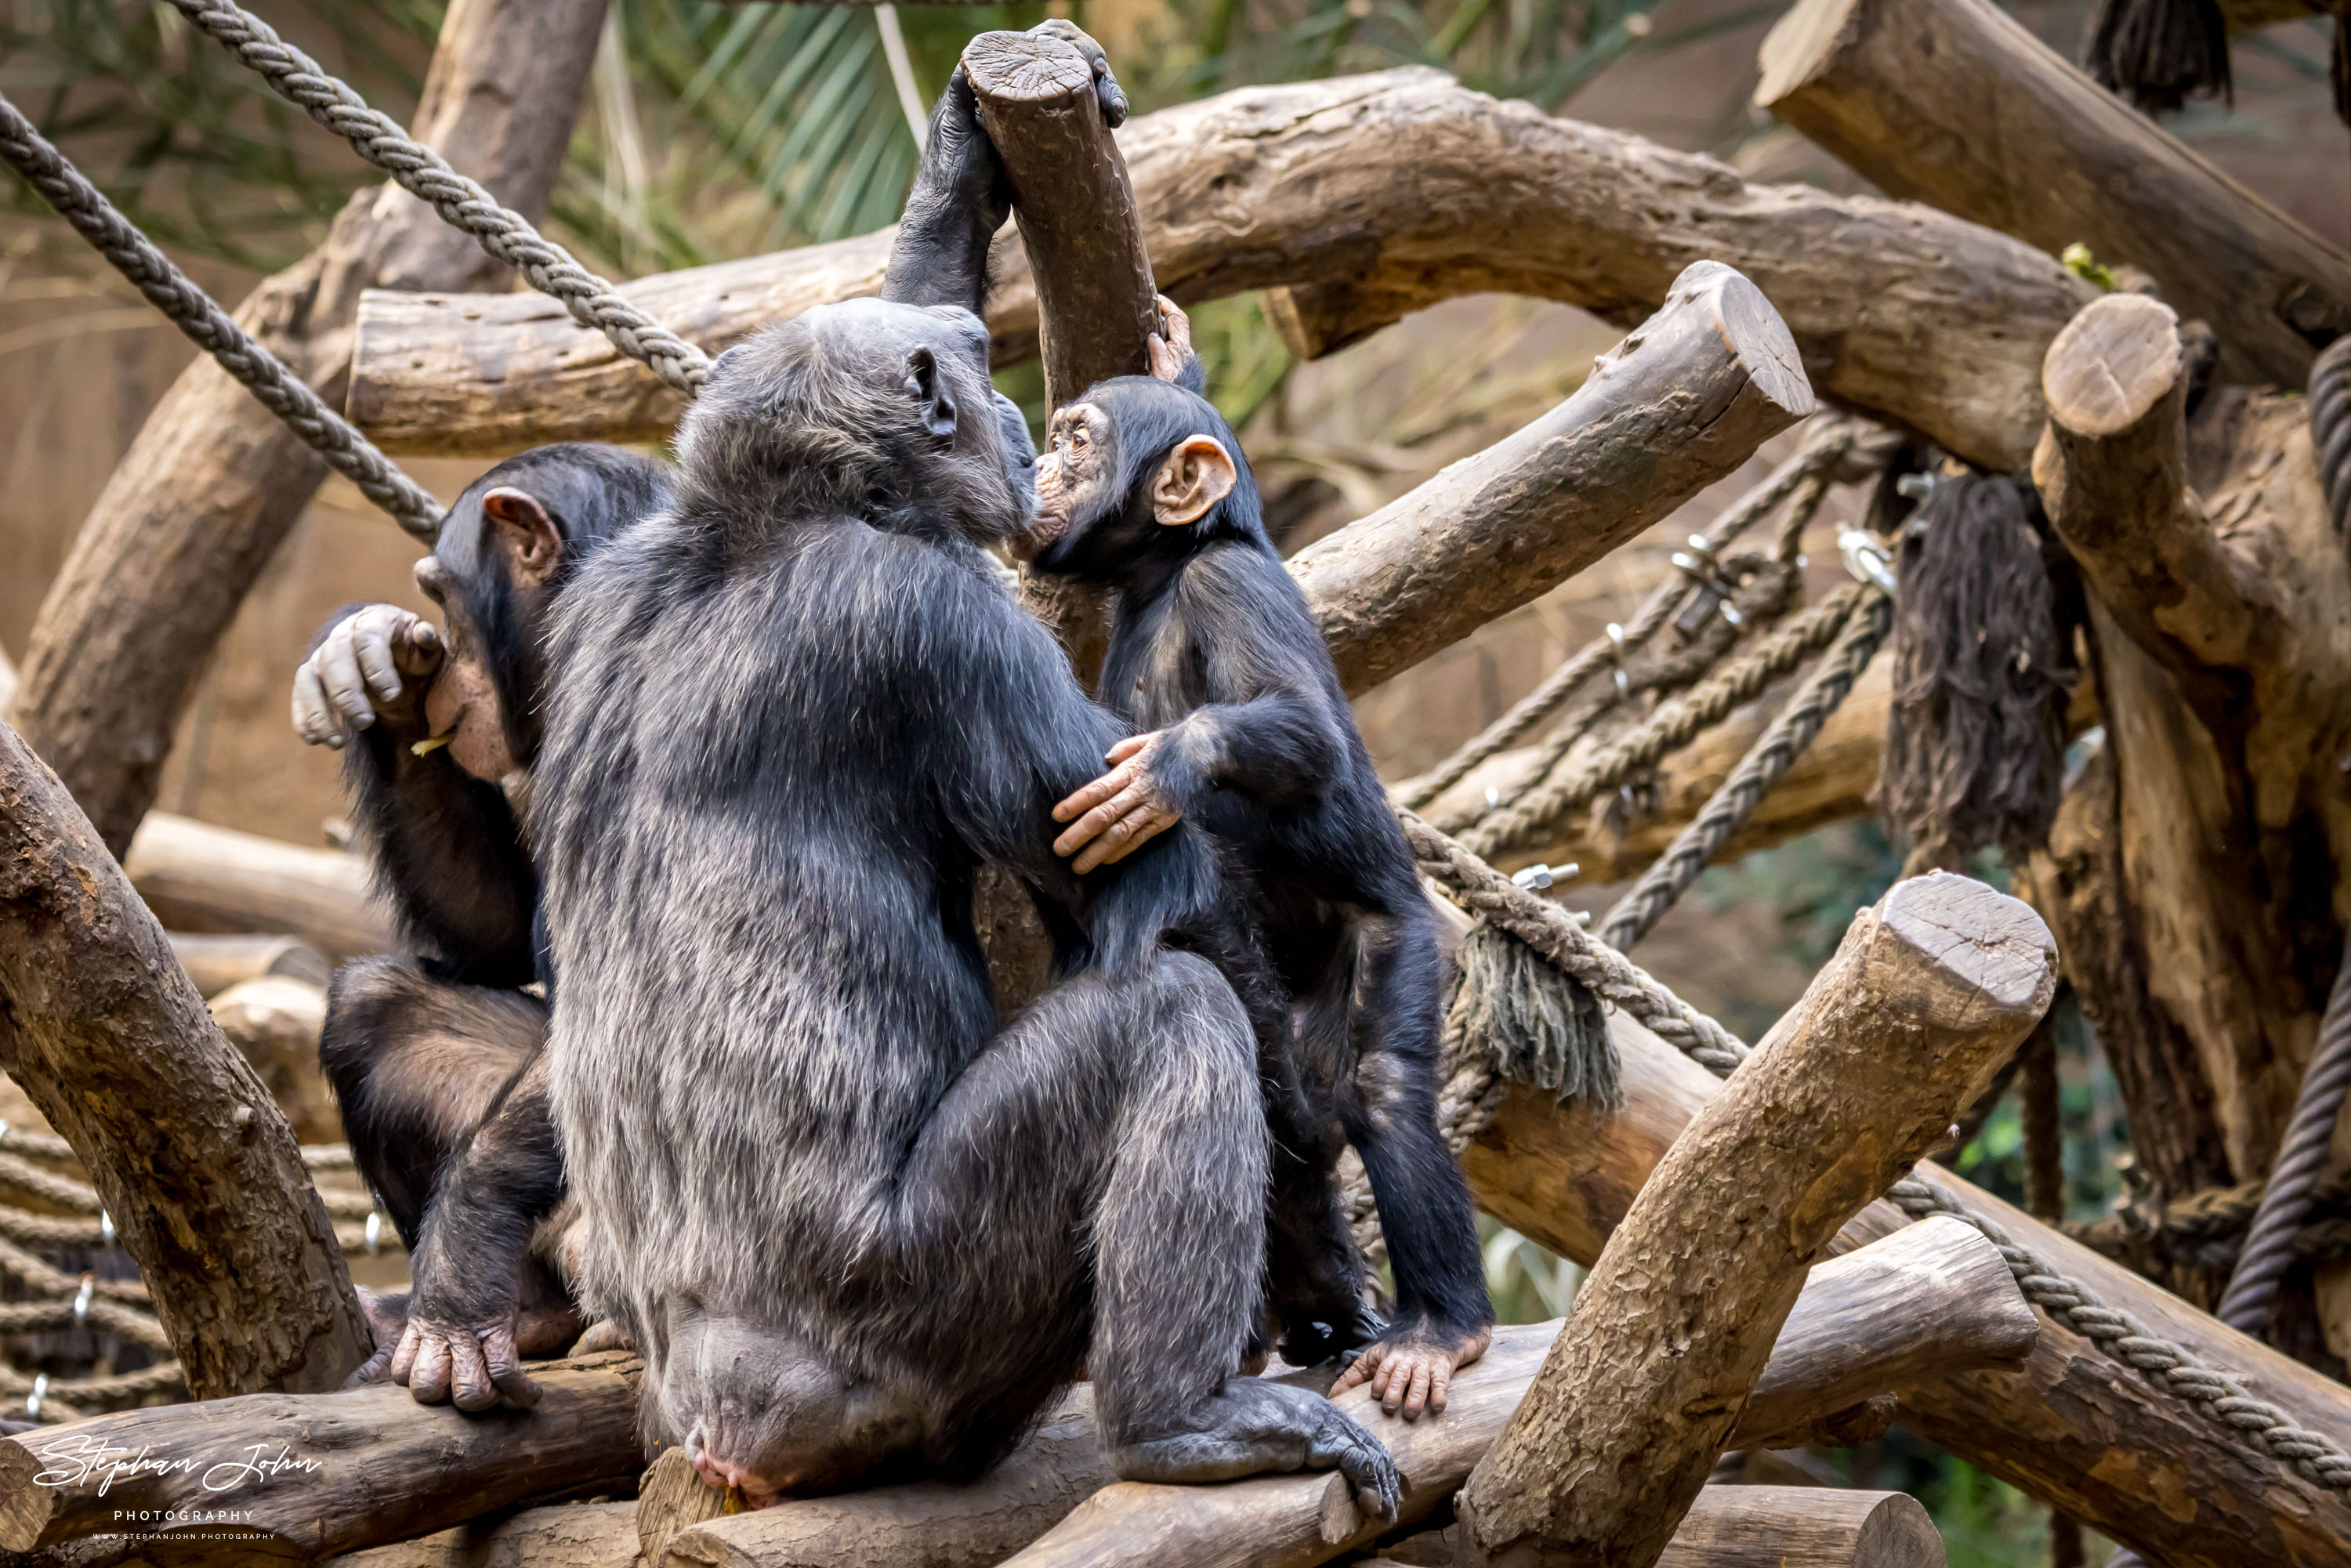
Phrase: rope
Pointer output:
(1793, 729)
(503, 233)
(48, 1397)
(2330, 426)
(195, 314)
(2287, 1199)
(1673, 725)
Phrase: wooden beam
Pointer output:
(199, 877)
(366, 1466)
(1803, 1526)
(105, 1033)
(1683, 401)
(1955, 103)
(1931, 992)
(1376, 196)
(216, 963)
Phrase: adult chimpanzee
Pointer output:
(854, 1228)
(1214, 656)
(436, 1058)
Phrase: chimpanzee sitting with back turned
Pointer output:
(856, 1224)
(1215, 655)
(436, 1058)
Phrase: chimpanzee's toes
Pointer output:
(1111, 97)
(1363, 1459)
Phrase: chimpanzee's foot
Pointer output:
(1412, 1369)
(1249, 1426)
(604, 1333)
(471, 1366)
(1313, 1333)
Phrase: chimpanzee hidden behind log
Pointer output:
(435, 1059)
(854, 1227)
(1215, 655)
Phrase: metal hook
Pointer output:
(1866, 558)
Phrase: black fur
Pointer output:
(1212, 643)
(853, 1226)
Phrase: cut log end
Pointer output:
(1024, 68)
(2113, 364)
(1958, 933)
(1800, 45)
(1758, 334)
(25, 1506)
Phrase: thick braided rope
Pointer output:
(41, 1280)
(196, 315)
(70, 1398)
(1793, 729)
(1670, 728)
(2221, 1395)
(505, 233)
(2287, 1197)
(1551, 931)
(2330, 428)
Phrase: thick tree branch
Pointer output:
(1955, 103)
(106, 1033)
(1370, 197)
(2111, 470)
(208, 491)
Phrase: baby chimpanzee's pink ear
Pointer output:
(1198, 474)
(534, 544)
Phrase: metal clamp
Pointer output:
(1616, 653)
(40, 1391)
(1541, 878)
(1866, 558)
(82, 1296)
(1704, 567)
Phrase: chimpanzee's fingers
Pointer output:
(373, 1369)
(1359, 1370)
(470, 1388)
(1136, 830)
(416, 649)
(1111, 97)
(314, 715)
(1165, 365)
(403, 1359)
(1440, 1385)
(1130, 746)
(339, 666)
(1415, 1397)
(428, 1379)
(1083, 800)
(1115, 826)
(372, 634)
(505, 1367)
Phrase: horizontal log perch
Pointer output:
(198, 877)
(354, 1468)
(216, 963)
(2073, 1426)
(1955, 103)
(1931, 992)
(105, 1033)
(1367, 197)
(1803, 1526)
(1682, 401)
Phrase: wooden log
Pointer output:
(103, 1029)
(274, 1022)
(358, 1468)
(206, 494)
(215, 963)
(1939, 1296)
(1074, 206)
(592, 1534)
(2112, 468)
(1371, 196)
(2074, 1428)
(198, 877)
(1683, 401)
(1803, 1526)
(672, 1497)
(1955, 103)
(1930, 993)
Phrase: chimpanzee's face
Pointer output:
(463, 701)
(1077, 476)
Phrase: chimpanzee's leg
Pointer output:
(1388, 1107)
(1107, 1146)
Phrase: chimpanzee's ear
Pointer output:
(532, 540)
(1196, 475)
(926, 384)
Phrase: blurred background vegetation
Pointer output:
(716, 130)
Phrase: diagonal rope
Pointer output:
(196, 314)
(465, 205)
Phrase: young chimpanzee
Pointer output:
(1215, 658)
(854, 1224)
(436, 1058)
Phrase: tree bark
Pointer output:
(368, 1465)
(106, 1034)
(1684, 400)
(1928, 994)
(214, 482)
(1370, 197)
(1803, 1526)
(2073, 1428)
(197, 877)
(1953, 102)
(592, 1534)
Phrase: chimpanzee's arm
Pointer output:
(960, 198)
(1279, 749)
(446, 846)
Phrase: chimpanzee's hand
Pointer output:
(1119, 811)
(1111, 97)
(372, 665)
(469, 1365)
(1171, 346)
(1412, 1369)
